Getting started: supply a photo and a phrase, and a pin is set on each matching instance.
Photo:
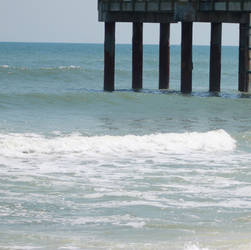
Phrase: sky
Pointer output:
(76, 21)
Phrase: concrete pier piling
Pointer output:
(164, 56)
(137, 56)
(215, 57)
(187, 12)
(186, 57)
(109, 53)
(245, 55)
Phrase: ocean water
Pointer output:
(85, 169)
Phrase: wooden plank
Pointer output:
(109, 54)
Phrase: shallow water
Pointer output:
(85, 169)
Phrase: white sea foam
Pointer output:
(4, 66)
(69, 67)
(17, 247)
(62, 67)
(79, 243)
(119, 220)
(194, 247)
(112, 246)
(106, 167)
(21, 145)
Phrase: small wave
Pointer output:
(121, 220)
(194, 247)
(78, 96)
(154, 144)
(4, 66)
(25, 68)
(98, 244)
(67, 67)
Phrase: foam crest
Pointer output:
(62, 67)
(69, 67)
(4, 66)
(194, 247)
(176, 143)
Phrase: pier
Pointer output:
(166, 12)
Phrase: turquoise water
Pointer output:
(85, 169)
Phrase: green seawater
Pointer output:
(81, 168)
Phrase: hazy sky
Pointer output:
(76, 21)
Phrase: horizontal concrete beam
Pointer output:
(171, 5)
(153, 17)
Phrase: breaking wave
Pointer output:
(169, 143)
(63, 67)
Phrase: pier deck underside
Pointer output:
(166, 12)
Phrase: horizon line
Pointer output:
(98, 43)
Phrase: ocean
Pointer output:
(81, 168)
